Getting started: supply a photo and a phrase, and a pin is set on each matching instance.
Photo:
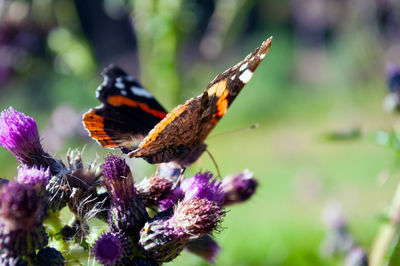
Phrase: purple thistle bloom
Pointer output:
(128, 213)
(239, 188)
(19, 134)
(201, 186)
(33, 175)
(154, 189)
(164, 237)
(160, 241)
(119, 179)
(205, 247)
(21, 217)
(196, 217)
(176, 195)
(113, 249)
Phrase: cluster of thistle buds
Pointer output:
(147, 223)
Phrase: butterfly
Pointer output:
(131, 119)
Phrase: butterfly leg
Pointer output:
(180, 177)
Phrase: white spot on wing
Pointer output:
(141, 92)
(233, 77)
(105, 81)
(129, 78)
(262, 56)
(119, 85)
(243, 67)
(123, 92)
(246, 76)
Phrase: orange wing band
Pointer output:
(118, 100)
(95, 125)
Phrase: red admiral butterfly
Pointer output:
(131, 119)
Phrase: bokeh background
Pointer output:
(317, 98)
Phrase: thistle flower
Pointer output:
(113, 249)
(202, 186)
(21, 213)
(205, 247)
(239, 188)
(196, 217)
(33, 175)
(163, 238)
(154, 189)
(49, 256)
(161, 242)
(19, 135)
(119, 180)
(127, 213)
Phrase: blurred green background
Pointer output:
(317, 98)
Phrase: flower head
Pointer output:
(160, 241)
(33, 175)
(128, 212)
(154, 189)
(113, 249)
(19, 134)
(20, 206)
(21, 213)
(196, 217)
(204, 187)
(118, 178)
(239, 188)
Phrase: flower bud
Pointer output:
(21, 213)
(239, 188)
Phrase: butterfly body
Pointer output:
(177, 136)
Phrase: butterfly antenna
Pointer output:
(254, 126)
(215, 162)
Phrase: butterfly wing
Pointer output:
(180, 135)
(128, 111)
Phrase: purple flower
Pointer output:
(196, 217)
(164, 237)
(239, 188)
(21, 217)
(33, 175)
(161, 242)
(154, 189)
(176, 195)
(201, 186)
(108, 249)
(128, 212)
(113, 249)
(119, 180)
(205, 247)
(19, 134)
